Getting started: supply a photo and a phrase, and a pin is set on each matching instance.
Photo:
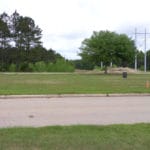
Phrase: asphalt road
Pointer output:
(74, 110)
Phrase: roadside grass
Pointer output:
(81, 137)
(12, 84)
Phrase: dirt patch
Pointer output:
(118, 70)
(121, 69)
(37, 82)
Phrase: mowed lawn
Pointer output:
(72, 83)
(112, 137)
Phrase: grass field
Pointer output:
(112, 137)
(72, 83)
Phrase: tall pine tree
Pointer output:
(4, 31)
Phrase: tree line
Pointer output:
(84, 64)
(21, 49)
(21, 45)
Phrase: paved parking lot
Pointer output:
(73, 110)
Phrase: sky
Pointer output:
(66, 23)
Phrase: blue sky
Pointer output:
(66, 23)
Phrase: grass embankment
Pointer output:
(72, 83)
(113, 137)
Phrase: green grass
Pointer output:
(72, 83)
(112, 137)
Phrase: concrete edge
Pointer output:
(72, 95)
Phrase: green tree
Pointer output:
(107, 47)
(28, 34)
(4, 31)
(148, 59)
(21, 47)
(14, 28)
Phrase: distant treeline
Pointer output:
(36, 59)
(83, 64)
(21, 47)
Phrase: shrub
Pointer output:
(40, 66)
(62, 65)
(12, 68)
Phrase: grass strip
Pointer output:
(17, 84)
(112, 137)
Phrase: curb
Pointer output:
(73, 95)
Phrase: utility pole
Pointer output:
(145, 51)
(135, 53)
(145, 56)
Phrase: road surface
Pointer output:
(38, 112)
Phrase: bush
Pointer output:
(63, 66)
(24, 67)
(83, 65)
(60, 65)
(40, 66)
(12, 68)
(141, 68)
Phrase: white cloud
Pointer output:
(65, 23)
